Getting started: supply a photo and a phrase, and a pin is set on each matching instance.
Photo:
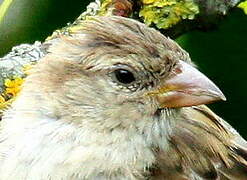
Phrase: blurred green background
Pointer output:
(29, 20)
(220, 53)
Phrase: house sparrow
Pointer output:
(117, 100)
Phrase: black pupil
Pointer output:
(124, 76)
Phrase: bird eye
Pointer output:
(124, 76)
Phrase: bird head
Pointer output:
(115, 71)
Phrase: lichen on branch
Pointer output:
(166, 13)
(14, 68)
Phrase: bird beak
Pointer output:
(186, 87)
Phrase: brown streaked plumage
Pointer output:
(118, 100)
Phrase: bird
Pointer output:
(114, 99)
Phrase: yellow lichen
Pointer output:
(166, 13)
(4, 104)
(159, 3)
(2, 99)
(148, 1)
(243, 5)
(13, 87)
(104, 8)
